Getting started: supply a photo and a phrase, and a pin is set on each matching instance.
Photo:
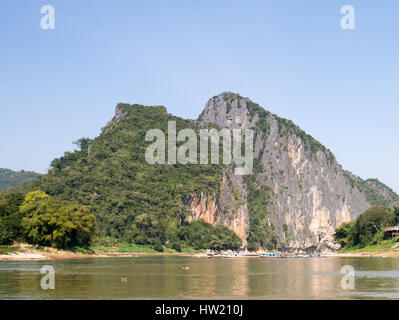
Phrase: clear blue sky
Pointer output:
(292, 57)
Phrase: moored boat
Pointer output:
(270, 255)
(233, 255)
(319, 255)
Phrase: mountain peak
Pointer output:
(228, 109)
(226, 96)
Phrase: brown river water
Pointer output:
(178, 277)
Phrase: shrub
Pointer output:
(202, 235)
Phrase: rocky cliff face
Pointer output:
(228, 208)
(306, 192)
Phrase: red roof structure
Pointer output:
(391, 229)
(391, 232)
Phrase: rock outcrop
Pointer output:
(310, 194)
(229, 208)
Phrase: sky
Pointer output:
(291, 57)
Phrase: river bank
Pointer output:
(22, 251)
(372, 254)
(38, 255)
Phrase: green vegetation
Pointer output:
(122, 247)
(377, 193)
(9, 178)
(134, 202)
(261, 231)
(104, 246)
(287, 127)
(54, 223)
(229, 100)
(10, 218)
(382, 246)
(39, 219)
(368, 229)
(201, 235)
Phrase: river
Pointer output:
(178, 277)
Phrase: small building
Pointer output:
(391, 232)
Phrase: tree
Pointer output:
(10, 218)
(344, 234)
(368, 228)
(83, 143)
(47, 221)
(6, 235)
(201, 235)
(395, 211)
(369, 223)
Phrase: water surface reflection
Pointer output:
(169, 277)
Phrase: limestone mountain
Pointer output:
(298, 193)
(295, 197)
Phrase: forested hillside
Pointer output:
(9, 178)
(132, 200)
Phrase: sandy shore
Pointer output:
(71, 255)
(22, 256)
(28, 252)
(30, 255)
(364, 254)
